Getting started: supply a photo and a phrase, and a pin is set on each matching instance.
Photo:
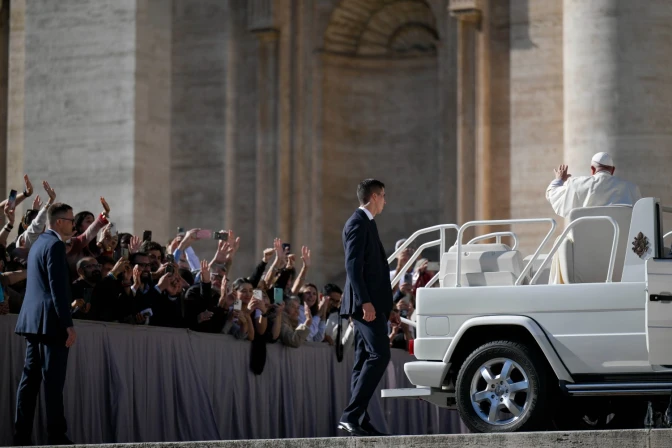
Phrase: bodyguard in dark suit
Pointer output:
(368, 300)
(45, 322)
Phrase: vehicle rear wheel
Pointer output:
(501, 387)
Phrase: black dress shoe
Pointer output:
(353, 430)
(368, 427)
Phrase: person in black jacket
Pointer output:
(368, 301)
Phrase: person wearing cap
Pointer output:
(601, 188)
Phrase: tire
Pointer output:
(525, 367)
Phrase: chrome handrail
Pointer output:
(441, 227)
(614, 245)
(498, 236)
(411, 260)
(502, 222)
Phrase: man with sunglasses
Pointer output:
(46, 323)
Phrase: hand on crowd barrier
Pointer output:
(140, 319)
(72, 337)
(28, 185)
(561, 173)
(10, 214)
(50, 192)
(106, 208)
(305, 256)
(369, 312)
(328, 339)
(204, 316)
(205, 271)
(37, 203)
(79, 303)
(134, 244)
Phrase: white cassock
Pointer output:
(587, 191)
(591, 191)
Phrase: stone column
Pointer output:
(493, 123)
(241, 129)
(617, 95)
(466, 120)
(267, 139)
(89, 102)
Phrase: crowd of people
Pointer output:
(119, 277)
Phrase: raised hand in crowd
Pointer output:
(226, 298)
(137, 278)
(165, 282)
(205, 271)
(27, 192)
(37, 203)
(301, 278)
(120, 267)
(268, 254)
(274, 271)
(189, 238)
(106, 241)
(51, 193)
(134, 245)
(234, 245)
(106, 208)
(10, 215)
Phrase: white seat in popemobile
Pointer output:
(482, 265)
(584, 255)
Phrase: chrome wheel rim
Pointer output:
(500, 392)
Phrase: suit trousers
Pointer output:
(372, 355)
(46, 359)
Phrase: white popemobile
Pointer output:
(513, 355)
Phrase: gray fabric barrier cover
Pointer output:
(149, 384)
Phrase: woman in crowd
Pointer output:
(308, 296)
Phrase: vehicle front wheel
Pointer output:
(502, 387)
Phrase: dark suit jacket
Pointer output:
(366, 267)
(46, 306)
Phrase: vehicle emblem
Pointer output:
(640, 245)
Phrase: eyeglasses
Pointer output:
(143, 265)
(92, 266)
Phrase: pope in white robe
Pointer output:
(601, 188)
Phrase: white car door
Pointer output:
(659, 311)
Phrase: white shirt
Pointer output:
(590, 191)
(368, 213)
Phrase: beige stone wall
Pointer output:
(536, 111)
(369, 132)
(72, 80)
